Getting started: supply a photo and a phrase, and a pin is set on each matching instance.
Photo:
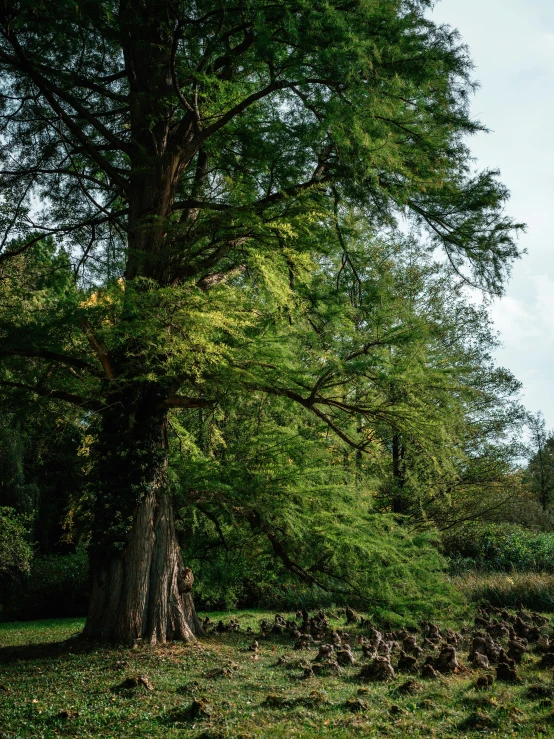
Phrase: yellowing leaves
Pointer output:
(102, 296)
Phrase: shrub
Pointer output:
(498, 548)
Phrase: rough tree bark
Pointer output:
(141, 588)
(144, 592)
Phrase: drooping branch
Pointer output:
(306, 575)
(215, 522)
(45, 354)
(311, 403)
(77, 400)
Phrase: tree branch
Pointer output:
(180, 401)
(55, 394)
(100, 351)
(45, 354)
(46, 88)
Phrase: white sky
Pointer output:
(512, 45)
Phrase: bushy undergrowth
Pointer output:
(496, 547)
(56, 586)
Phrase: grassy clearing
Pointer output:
(51, 689)
(534, 590)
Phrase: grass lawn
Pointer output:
(54, 686)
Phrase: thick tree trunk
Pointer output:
(141, 588)
(144, 592)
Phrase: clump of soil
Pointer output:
(447, 660)
(135, 681)
(345, 656)
(315, 698)
(380, 669)
(426, 704)
(409, 687)
(480, 661)
(428, 672)
(325, 651)
(535, 692)
(485, 681)
(516, 649)
(328, 667)
(227, 672)
(277, 701)
(407, 662)
(478, 721)
(200, 708)
(506, 672)
(355, 705)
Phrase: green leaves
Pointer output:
(15, 551)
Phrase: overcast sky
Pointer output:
(512, 45)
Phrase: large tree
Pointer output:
(195, 160)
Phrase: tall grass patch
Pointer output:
(533, 590)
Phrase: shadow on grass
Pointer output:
(50, 650)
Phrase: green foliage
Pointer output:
(498, 548)
(375, 566)
(275, 511)
(15, 551)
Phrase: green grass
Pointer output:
(42, 675)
